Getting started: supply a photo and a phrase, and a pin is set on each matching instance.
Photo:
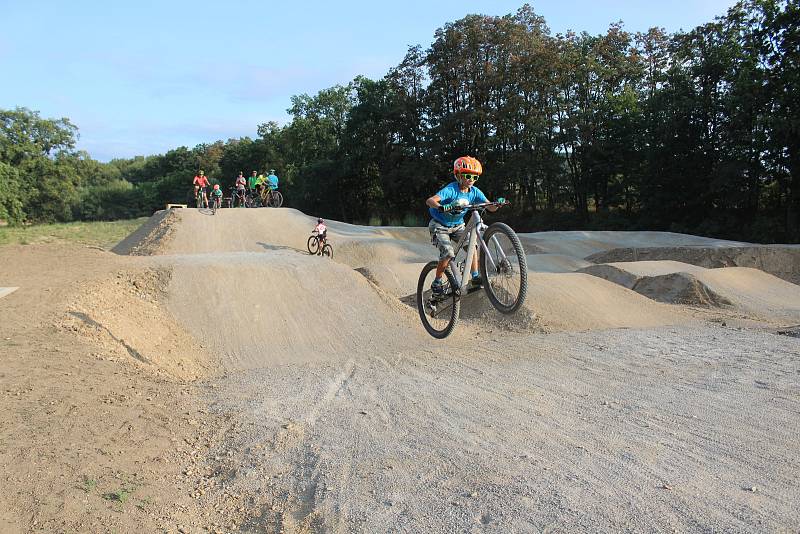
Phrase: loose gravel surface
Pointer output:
(677, 428)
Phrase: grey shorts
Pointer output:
(445, 238)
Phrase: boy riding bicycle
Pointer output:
(446, 209)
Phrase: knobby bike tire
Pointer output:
(327, 250)
(505, 300)
(452, 303)
(274, 199)
(313, 245)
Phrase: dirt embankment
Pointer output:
(782, 261)
(742, 290)
(99, 431)
(151, 237)
(124, 314)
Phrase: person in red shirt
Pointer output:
(201, 183)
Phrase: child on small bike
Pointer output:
(447, 217)
(321, 231)
(216, 196)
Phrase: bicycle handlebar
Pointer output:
(481, 206)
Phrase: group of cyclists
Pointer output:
(256, 184)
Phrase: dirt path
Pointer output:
(689, 428)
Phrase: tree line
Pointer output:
(692, 132)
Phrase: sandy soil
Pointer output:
(214, 377)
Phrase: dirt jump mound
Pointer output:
(782, 261)
(748, 291)
(150, 237)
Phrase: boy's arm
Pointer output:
(434, 201)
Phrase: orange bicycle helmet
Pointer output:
(216, 186)
(467, 165)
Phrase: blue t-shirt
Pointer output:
(272, 180)
(452, 193)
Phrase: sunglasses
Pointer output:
(473, 177)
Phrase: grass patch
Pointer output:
(89, 484)
(100, 233)
(121, 495)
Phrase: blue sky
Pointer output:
(144, 77)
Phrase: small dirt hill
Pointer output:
(749, 291)
(782, 261)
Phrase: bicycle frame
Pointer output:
(474, 228)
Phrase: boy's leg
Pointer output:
(441, 267)
(440, 238)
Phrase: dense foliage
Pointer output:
(693, 132)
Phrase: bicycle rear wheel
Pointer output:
(327, 250)
(504, 269)
(439, 314)
(313, 245)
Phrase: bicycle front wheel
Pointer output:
(313, 245)
(274, 199)
(438, 312)
(504, 269)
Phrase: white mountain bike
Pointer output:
(503, 269)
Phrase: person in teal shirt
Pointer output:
(216, 195)
(272, 180)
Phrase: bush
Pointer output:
(11, 206)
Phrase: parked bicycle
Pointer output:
(314, 247)
(271, 198)
(240, 197)
(503, 269)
